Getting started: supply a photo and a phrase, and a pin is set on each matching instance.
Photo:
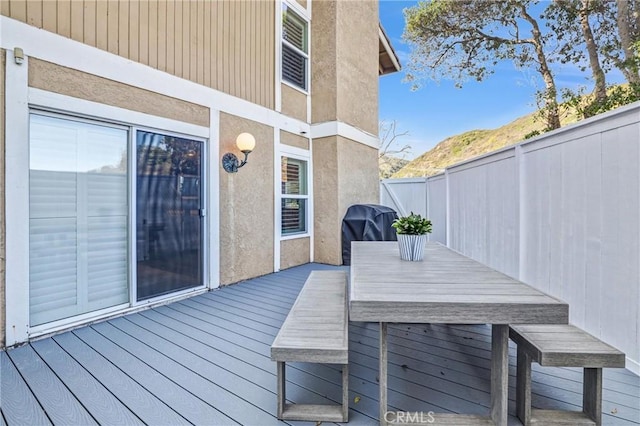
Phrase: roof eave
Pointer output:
(388, 59)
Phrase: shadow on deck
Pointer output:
(205, 360)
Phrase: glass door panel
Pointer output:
(78, 218)
(169, 224)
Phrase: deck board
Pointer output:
(206, 360)
(58, 402)
(103, 406)
(138, 399)
(19, 405)
(181, 400)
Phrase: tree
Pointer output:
(389, 139)
(570, 21)
(391, 155)
(600, 31)
(628, 21)
(462, 39)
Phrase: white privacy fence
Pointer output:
(560, 212)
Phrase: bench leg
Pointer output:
(345, 393)
(592, 394)
(523, 387)
(382, 374)
(499, 373)
(281, 388)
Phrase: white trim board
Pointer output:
(333, 128)
(101, 112)
(69, 53)
(16, 201)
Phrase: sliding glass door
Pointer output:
(169, 214)
(96, 220)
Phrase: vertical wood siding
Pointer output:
(224, 44)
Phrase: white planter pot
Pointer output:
(411, 246)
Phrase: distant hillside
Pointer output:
(388, 165)
(472, 144)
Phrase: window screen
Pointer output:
(294, 48)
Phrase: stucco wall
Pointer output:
(294, 103)
(344, 79)
(58, 79)
(294, 252)
(294, 140)
(346, 173)
(246, 204)
(2, 183)
(326, 196)
(357, 59)
(323, 62)
(358, 170)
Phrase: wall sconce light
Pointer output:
(245, 143)
(18, 55)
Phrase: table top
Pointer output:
(446, 287)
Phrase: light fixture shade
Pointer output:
(245, 142)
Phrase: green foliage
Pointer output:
(587, 106)
(414, 224)
(532, 134)
(465, 39)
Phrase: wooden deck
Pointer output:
(206, 361)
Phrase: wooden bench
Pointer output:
(562, 346)
(316, 330)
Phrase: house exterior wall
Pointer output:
(171, 36)
(345, 63)
(324, 76)
(291, 139)
(338, 160)
(294, 102)
(345, 68)
(358, 180)
(55, 78)
(294, 252)
(357, 64)
(247, 207)
(326, 201)
(119, 61)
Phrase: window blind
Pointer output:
(78, 216)
(294, 59)
(294, 201)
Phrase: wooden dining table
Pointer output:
(446, 288)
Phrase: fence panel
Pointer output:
(437, 207)
(404, 195)
(483, 211)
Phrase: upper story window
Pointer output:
(295, 48)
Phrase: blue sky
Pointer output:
(439, 110)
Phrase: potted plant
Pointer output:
(412, 233)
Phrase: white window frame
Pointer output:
(302, 155)
(303, 15)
